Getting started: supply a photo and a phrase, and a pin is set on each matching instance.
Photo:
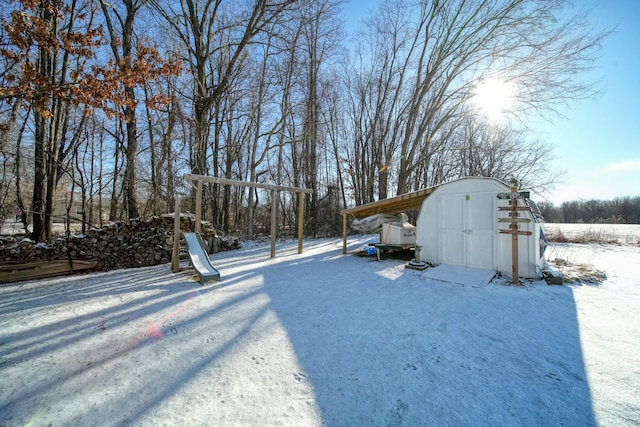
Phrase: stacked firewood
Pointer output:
(123, 244)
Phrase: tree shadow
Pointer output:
(407, 350)
(316, 338)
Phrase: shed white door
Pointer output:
(466, 231)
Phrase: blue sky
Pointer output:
(598, 141)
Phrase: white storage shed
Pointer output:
(459, 224)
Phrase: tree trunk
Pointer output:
(39, 180)
(24, 217)
(41, 145)
(129, 111)
(113, 205)
(131, 152)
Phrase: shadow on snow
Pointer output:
(378, 344)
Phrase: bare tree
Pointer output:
(375, 76)
(503, 152)
(131, 55)
(215, 37)
(449, 48)
(162, 126)
(47, 48)
(122, 47)
(54, 69)
(319, 38)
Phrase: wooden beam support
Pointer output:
(514, 220)
(514, 239)
(274, 221)
(344, 233)
(300, 220)
(175, 256)
(197, 225)
(226, 181)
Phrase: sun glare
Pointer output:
(494, 97)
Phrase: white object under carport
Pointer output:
(458, 224)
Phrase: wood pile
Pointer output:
(124, 244)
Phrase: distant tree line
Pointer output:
(621, 210)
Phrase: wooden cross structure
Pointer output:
(197, 180)
(513, 220)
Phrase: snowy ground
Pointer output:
(322, 338)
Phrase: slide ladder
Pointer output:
(199, 258)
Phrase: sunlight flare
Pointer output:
(494, 97)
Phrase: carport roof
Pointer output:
(393, 205)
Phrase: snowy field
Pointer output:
(621, 233)
(322, 339)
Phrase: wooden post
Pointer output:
(344, 233)
(300, 220)
(197, 227)
(513, 221)
(175, 256)
(514, 236)
(274, 222)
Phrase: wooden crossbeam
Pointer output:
(226, 181)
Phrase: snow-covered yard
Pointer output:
(322, 338)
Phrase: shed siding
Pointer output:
(458, 224)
